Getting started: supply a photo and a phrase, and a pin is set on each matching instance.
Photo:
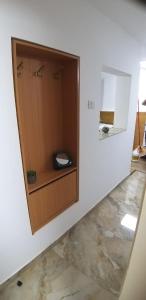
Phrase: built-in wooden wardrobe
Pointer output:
(46, 83)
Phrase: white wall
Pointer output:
(142, 87)
(134, 286)
(122, 101)
(76, 27)
(108, 86)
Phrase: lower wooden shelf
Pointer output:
(47, 177)
(49, 201)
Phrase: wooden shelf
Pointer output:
(46, 83)
(48, 177)
(52, 199)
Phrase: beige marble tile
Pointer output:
(99, 246)
(60, 246)
(73, 285)
(89, 262)
(52, 278)
(36, 278)
(139, 165)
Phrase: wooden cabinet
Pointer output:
(46, 83)
(52, 199)
(139, 130)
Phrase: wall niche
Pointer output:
(46, 85)
(115, 95)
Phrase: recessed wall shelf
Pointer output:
(48, 177)
(46, 85)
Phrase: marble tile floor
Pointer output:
(139, 165)
(89, 262)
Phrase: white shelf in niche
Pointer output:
(112, 131)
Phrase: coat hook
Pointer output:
(20, 69)
(39, 72)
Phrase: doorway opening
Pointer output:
(139, 144)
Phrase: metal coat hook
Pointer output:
(39, 72)
(20, 69)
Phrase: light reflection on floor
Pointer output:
(129, 222)
(90, 261)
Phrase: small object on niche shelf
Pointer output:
(61, 160)
(31, 176)
(105, 129)
(19, 283)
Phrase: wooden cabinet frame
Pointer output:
(46, 84)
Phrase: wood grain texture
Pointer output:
(18, 112)
(47, 103)
(49, 176)
(107, 117)
(51, 200)
(34, 50)
(70, 110)
(142, 119)
(40, 103)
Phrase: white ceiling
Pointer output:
(128, 13)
